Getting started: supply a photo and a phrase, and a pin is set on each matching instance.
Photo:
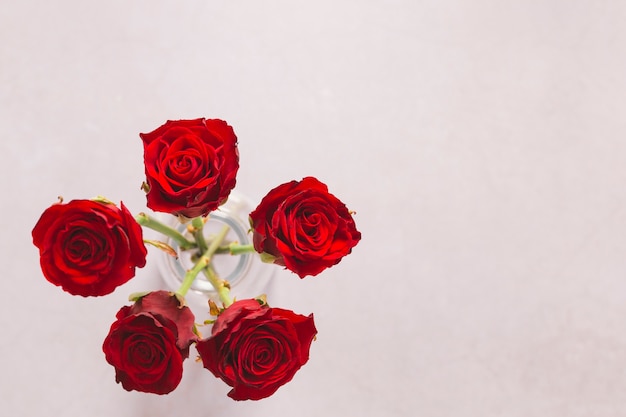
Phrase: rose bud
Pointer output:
(191, 166)
(88, 247)
(149, 341)
(303, 227)
(256, 349)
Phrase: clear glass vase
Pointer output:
(247, 275)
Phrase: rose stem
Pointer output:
(152, 223)
(220, 285)
(237, 249)
(197, 224)
(234, 248)
(202, 264)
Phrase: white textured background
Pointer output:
(482, 144)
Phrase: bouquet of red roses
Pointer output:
(90, 247)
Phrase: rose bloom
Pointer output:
(88, 247)
(303, 227)
(149, 341)
(191, 166)
(256, 349)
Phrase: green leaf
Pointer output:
(134, 297)
(214, 310)
(103, 200)
(162, 246)
(196, 331)
(262, 299)
(181, 299)
(267, 258)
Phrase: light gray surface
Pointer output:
(482, 144)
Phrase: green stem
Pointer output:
(234, 248)
(191, 275)
(151, 223)
(204, 264)
(220, 285)
(197, 224)
(237, 249)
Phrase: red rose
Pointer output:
(191, 166)
(87, 247)
(303, 227)
(256, 349)
(149, 341)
